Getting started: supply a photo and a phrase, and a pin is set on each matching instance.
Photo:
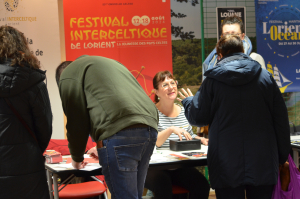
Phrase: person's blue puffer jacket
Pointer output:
(249, 127)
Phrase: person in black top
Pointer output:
(22, 169)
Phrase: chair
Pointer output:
(78, 190)
(179, 190)
(82, 190)
(61, 145)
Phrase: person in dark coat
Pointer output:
(22, 169)
(249, 128)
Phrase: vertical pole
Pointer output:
(50, 183)
(202, 31)
(55, 186)
(206, 174)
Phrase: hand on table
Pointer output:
(185, 94)
(79, 165)
(181, 132)
(93, 153)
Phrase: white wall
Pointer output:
(38, 20)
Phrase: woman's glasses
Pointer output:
(167, 85)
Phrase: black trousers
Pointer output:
(252, 192)
(160, 183)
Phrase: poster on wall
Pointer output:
(223, 12)
(278, 40)
(38, 20)
(136, 33)
(186, 43)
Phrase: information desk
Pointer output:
(295, 144)
(161, 159)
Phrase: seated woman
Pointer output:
(173, 124)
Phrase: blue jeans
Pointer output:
(125, 158)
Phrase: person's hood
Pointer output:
(212, 58)
(16, 79)
(235, 69)
(247, 45)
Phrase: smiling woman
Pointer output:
(173, 125)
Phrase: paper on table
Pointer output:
(165, 157)
(66, 166)
(157, 158)
(90, 160)
(89, 168)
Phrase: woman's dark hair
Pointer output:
(229, 44)
(160, 77)
(14, 46)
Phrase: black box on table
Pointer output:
(185, 145)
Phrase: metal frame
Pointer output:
(52, 181)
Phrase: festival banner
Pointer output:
(136, 33)
(38, 20)
(224, 12)
(278, 40)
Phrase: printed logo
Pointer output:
(281, 30)
(11, 5)
(280, 79)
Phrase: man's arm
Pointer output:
(197, 108)
(78, 120)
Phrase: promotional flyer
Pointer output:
(135, 33)
(224, 12)
(278, 40)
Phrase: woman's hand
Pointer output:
(181, 132)
(204, 141)
(93, 153)
(185, 94)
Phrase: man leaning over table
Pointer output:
(101, 98)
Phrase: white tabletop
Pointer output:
(296, 137)
(158, 156)
(162, 156)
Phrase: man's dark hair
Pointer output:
(233, 20)
(60, 69)
(229, 44)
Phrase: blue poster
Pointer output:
(278, 40)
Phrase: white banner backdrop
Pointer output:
(38, 20)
